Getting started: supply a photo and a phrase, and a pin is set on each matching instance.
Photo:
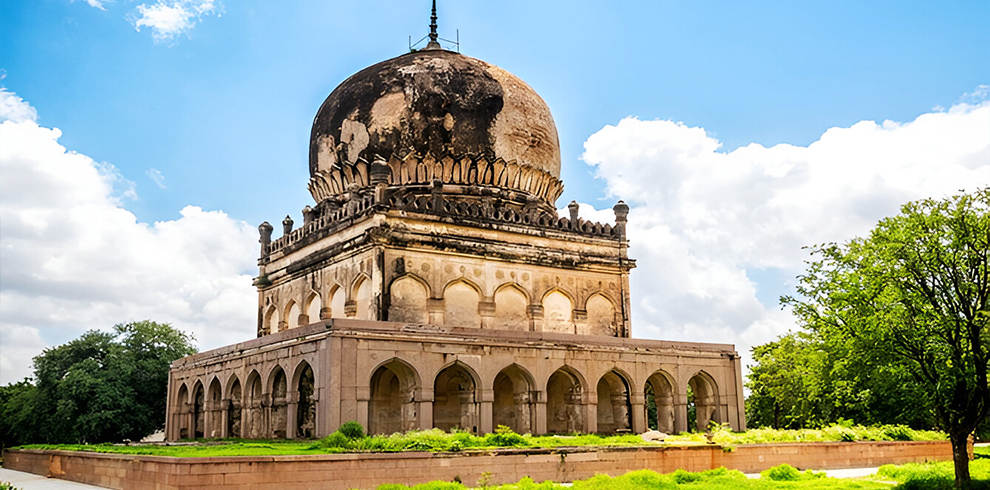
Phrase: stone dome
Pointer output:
(438, 103)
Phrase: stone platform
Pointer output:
(366, 471)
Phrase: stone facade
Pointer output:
(435, 285)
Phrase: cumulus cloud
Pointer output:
(169, 19)
(74, 258)
(96, 4)
(717, 235)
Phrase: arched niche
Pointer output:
(362, 298)
(601, 316)
(558, 313)
(313, 306)
(702, 401)
(234, 423)
(305, 386)
(215, 408)
(279, 411)
(292, 314)
(271, 319)
(255, 416)
(659, 405)
(198, 410)
(564, 389)
(337, 301)
(392, 406)
(407, 300)
(614, 410)
(181, 401)
(511, 309)
(455, 402)
(460, 301)
(513, 399)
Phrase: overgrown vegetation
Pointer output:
(351, 438)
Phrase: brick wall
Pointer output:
(366, 471)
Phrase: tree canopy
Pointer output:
(103, 386)
(914, 295)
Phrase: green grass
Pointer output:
(717, 479)
(352, 440)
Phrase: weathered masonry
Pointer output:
(433, 284)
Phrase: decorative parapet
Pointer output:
(423, 170)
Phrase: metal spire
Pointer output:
(433, 44)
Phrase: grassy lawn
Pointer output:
(353, 439)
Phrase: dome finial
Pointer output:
(433, 44)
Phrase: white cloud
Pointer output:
(74, 258)
(707, 227)
(169, 19)
(13, 108)
(95, 4)
(156, 176)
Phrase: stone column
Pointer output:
(426, 408)
(535, 318)
(638, 403)
(291, 419)
(435, 307)
(486, 399)
(680, 412)
(224, 418)
(540, 407)
(487, 311)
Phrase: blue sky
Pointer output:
(215, 111)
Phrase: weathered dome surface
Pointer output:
(434, 102)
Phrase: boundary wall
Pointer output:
(368, 470)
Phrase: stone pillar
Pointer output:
(224, 418)
(487, 311)
(680, 412)
(426, 408)
(325, 313)
(350, 308)
(435, 307)
(486, 399)
(535, 318)
(583, 414)
(638, 403)
(291, 419)
(302, 319)
(540, 407)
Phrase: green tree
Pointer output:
(106, 386)
(16, 420)
(914, 295)
(801, 381)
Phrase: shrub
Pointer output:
(504, 437)
(784, 472)
(336, 440)
(352, 430)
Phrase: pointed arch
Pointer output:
(461, 298)
(279, 388)
(314, 304)
(304, 385)
(514, 399)
(455, 401)
(601, 315)
(614, 410)
(338, 298)
(361, 296)
(198, 410)
(181, 403)
(271, 319)
(408, 296)
(392, 407)
(235, 400)
(659, 392)
(703, 398)
(564, 391)
(558, 311)
(291, 314)
(511, 308)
